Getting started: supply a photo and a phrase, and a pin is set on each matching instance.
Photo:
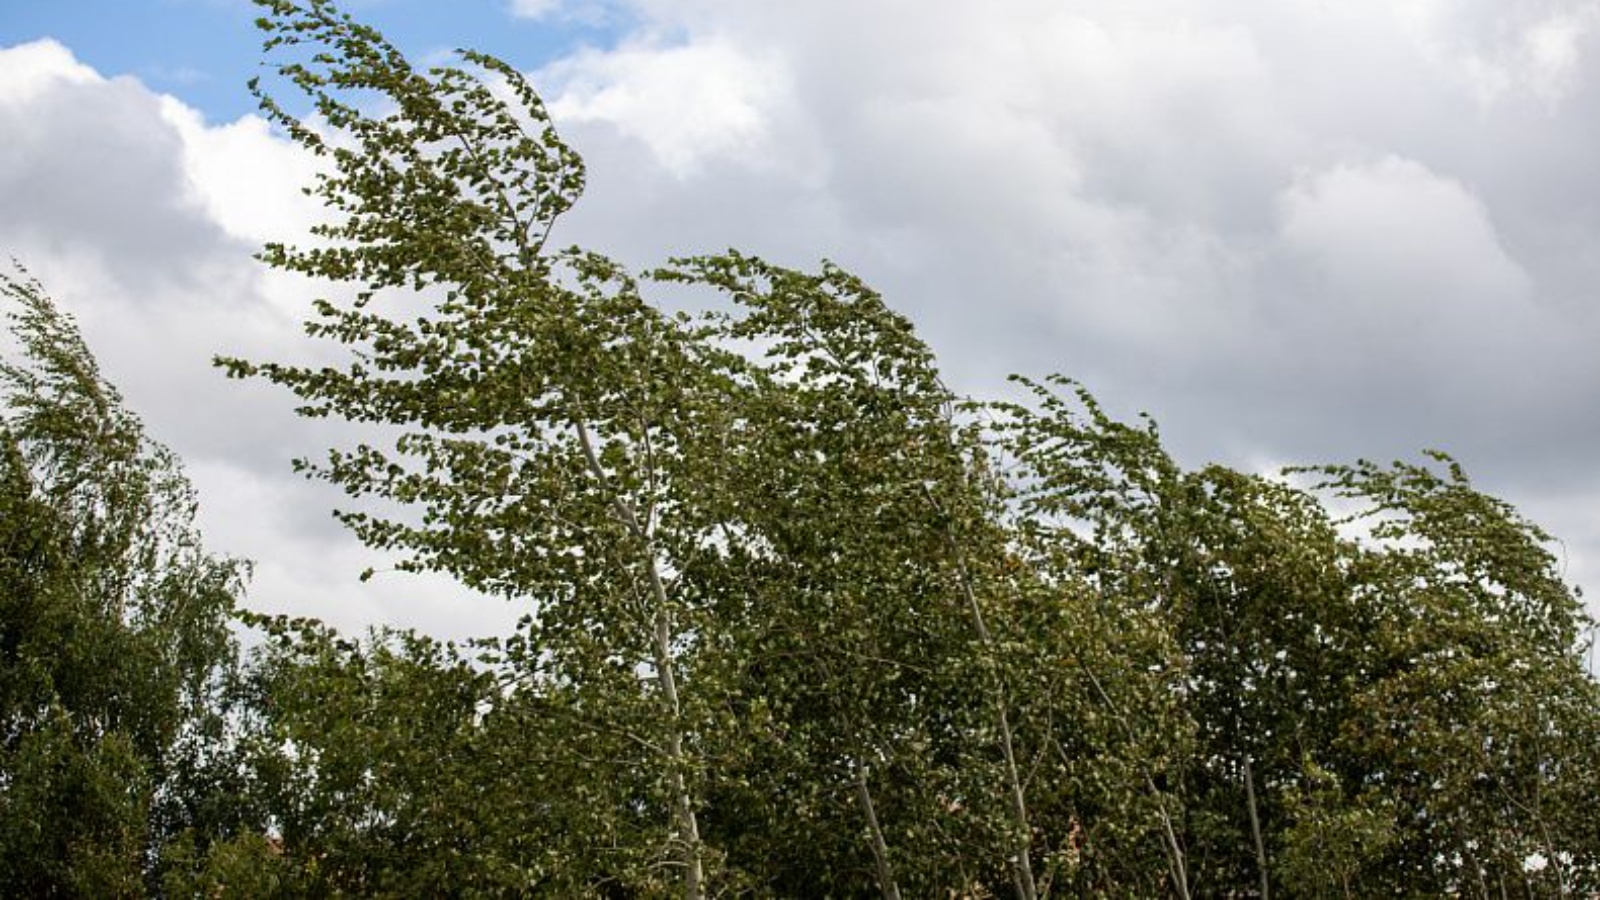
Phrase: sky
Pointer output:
(1292, 231)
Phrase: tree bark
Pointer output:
(1027, 888)
(688, 825)
(880, 847)
(694, 871)
(1255, 827)
(1175, 859)
(1180, 868)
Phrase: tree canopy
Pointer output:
(114, 628)
(800, 620)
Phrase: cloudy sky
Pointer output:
(1291, 230)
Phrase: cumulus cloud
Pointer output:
(30, 69)
(140, 218)
(1402, 254)
(686, 103)
(243, 176)
(1504, 51)
(1290, 230)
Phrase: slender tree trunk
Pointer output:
(688, 826)
(1255, 827)
(1027, 888)
(1175, 860)
(880, 847)
(694, 872)
(1176, 864)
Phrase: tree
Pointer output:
(1476, 716)
(621, 470)
(553, 417)
(379, 771)
(1402, 704)
(800, 620)
(114, 637)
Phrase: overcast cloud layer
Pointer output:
(1292, 231)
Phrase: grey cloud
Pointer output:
(1291, 231)
(93, 178)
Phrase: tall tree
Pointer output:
(554, 423)
(1390, 699)
(625, 471)
(114, 639)
(799, 621)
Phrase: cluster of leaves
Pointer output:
(801, 622)
(114, 629)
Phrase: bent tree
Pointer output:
(800, 622)
(114, 639)
(666, 498)
(548, 413)
(1391, 699)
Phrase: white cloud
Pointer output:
(1395, 231)
(1553, 47)
(244, 176)
(1292, 230)
(687, 103)
(140, 219)
(1506, 49)
(27, 70)
(1400, 292)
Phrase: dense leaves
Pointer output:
(815, 625)
(113, 627)
(799, 621)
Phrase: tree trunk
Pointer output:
(1027, 889)
(1176, 864)
(688, 825)
(1255, 827)
(694, 872)
(880, 847)
(1175, 860)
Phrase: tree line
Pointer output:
(800, 620)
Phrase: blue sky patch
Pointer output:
(203, 51)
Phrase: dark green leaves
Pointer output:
(113, 626)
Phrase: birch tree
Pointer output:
(801, 620)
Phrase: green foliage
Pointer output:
(801, 622)
(368, 760)
(1333, 837)
(113, 625)
(1401, 689)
